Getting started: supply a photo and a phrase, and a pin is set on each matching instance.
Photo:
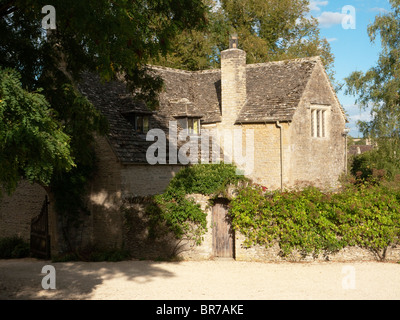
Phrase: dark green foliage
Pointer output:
(43, 136)
(376, 165)
(13, 247)
(312, 222)
(32, 142)
(203, 179)
(364, 168)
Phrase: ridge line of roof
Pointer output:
(261, 64)
(188, 72)
(217, 70)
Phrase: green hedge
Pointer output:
(13, 247)
(312, 222)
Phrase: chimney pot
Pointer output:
(234, 41)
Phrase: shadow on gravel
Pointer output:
(22, 279)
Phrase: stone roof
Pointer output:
(193, 94)
(359, 149)
(274, 90)
(112, 100)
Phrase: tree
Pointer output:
(107, 37)
(378, 90)
(268, 31)
(32, 143)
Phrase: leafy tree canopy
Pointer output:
(268, 31)
(54, 129)
(378, 89)
(32, 143)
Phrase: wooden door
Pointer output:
(223, 239)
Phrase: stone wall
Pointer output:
(306, 160)
(317, 161)
(144, 180)
(142, 246)
(272, 254)
(112, 184)
(267, 164)
(17, 210)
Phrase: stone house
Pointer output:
(295, 121)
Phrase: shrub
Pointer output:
(376, 165)
(13, 247)
(312, 222)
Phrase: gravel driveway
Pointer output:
(205, 280)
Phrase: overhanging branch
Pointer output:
(8, 8)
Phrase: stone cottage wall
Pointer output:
(142, 245)
(17, 210)
(112, 184)
(267, 154)
(317, 161)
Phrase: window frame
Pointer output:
(138, 120)
(189, 124)
(319, 121)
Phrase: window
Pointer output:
(192, 124)
(140, 123)
(318, 122)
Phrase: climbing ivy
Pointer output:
(311, 221)
(182, 216)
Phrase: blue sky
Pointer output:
(351, 47)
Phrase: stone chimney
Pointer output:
(233, 82)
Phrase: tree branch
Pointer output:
(8, 8)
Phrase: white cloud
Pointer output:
(363, 116)
(328, 19)
(315, 5)
(379, 10)
(331, 39)
(355, 114)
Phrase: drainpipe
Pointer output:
(345, 134)
(281, 151)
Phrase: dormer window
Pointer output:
(140, 122)
(191, 124)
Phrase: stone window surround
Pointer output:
(320, 120)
